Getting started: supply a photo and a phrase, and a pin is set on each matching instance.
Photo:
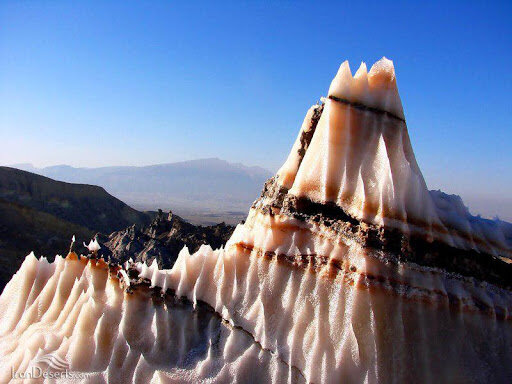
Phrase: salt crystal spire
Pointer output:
(360, 156)
(355, 152)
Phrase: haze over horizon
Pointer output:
(30, 164)
(100, 84)
(158, 191)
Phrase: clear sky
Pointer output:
(118, 83)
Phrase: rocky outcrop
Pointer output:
(162, 240)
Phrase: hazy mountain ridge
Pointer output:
(89, 206)
(197, 186)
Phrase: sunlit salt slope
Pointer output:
(98, 329)
(347, 269)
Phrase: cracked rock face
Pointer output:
(347, 269)
(162, 240)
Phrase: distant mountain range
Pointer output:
(202, 191)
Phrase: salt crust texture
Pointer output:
(328, 329)
(77, 312)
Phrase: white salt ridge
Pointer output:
(75, 312)
(338, 332)
(316, 323)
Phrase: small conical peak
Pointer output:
(341, 86)
(344, 72)
(72, 256)
(286, 174)
(382, 74)
(362, 72)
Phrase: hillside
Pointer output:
(89, 206)
(41, 215)
(24, 229)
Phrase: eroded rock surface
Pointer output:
(162, 240)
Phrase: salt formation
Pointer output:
(78, 320)
(347, 269)
(93, 245)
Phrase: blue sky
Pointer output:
(115, 83)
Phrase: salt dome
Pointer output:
(347, 269)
